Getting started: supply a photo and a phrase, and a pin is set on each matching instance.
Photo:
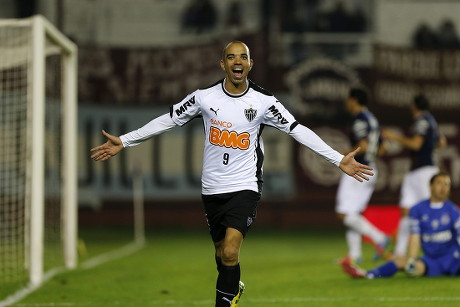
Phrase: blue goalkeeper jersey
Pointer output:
(438, 226)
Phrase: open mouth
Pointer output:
(237, 73)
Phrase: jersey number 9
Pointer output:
(226, 157)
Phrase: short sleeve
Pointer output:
(360, 129)
(421, 127)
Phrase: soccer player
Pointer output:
(435, 228)
(352, 196)
(234, 111)
(422, 144)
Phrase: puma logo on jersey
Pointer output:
(229, 139)
(185, 105)
(215, 111)
(277, 114)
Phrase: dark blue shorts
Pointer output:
(230, 210)
(444, 265)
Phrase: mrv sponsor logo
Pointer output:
(277, 114)
(185, 106)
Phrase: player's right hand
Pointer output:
(107, 150)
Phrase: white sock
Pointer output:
(358, 223)
(402, 239)
(354, 244)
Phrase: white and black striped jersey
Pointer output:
(233, 150)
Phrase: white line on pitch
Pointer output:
(109, 256)
(91, 263)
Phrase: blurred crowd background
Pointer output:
(136, 58)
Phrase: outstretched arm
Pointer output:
(355, 169)
(413, 143)
(115, 144)
(347, 163)
(107, 150)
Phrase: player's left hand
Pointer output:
(355, 169)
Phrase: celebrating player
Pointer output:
(234, 111)
(422, 144)
(435, 227)
(352, 197)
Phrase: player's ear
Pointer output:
(222, 65)
(251, 64)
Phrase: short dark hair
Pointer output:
(360, 95)
(440, 174)
(224, 51)
(421, 102)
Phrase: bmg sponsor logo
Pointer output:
(229, 139)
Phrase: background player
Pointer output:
(422, 144)
(435, 227)
(234, 111)
(352, 197)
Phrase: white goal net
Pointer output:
(37, 151)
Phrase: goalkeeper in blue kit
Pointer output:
(435, 228)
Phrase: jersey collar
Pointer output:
(436, 205)
(232, 95)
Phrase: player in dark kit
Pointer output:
(422, 144)
(435, 228)
(234, 111)
(352, 196)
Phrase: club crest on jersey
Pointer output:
(250, 114)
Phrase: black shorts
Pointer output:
(235, 210)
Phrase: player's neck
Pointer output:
(417, 113)
(235, 89)
(358, 110)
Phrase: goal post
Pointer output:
(38, 128)
(43, 31)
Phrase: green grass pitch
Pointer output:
(279, 268)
